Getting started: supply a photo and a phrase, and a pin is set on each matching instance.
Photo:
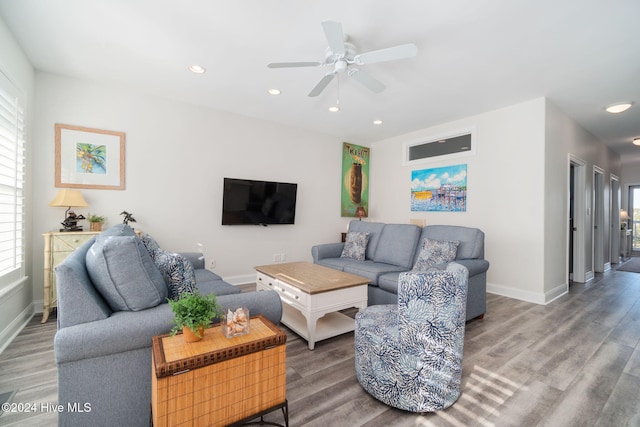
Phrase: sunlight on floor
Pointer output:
(484, 392)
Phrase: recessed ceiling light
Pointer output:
(274, 91)
(334, 108)
(636, 141)
(197, 69)
(619, 107)
(377, 122)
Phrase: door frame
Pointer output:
(579, 220)
(615, 194)
(598, 221)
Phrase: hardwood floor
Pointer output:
(574, 362)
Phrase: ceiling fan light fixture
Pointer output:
(619, 107)
(197, 69)
(636, 140)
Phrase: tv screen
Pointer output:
(246, 201)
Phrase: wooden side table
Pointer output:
(58, 246)
(219, 381)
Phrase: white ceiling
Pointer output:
(473, 56)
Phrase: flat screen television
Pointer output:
(246, 201)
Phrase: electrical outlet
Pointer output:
(212, 263)
(283, 257)
(276, 258)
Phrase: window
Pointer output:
(441, 147)
(12, 153)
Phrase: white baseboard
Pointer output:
(534, 297)
(241, 280)
(13, 329)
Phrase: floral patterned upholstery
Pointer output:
(409, 355)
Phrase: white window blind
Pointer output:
(12, 158)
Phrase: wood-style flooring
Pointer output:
(573, 362)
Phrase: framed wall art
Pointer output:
(355, 181)
(441, 189)
(89, 158)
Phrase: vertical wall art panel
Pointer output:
(355, 180)
(441, 189)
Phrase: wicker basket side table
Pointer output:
(219, 381)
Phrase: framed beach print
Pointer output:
(442, 189)
(89, 158)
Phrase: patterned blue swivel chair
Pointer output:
(409, 355)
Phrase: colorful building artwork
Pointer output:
(355, 180)
(439, 189)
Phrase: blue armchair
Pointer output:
(409, 355)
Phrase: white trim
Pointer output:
(533, 297)
(580, 222)
(15, 327)
(507, 291)
(433, 139)
(589, 276)
(241, 280)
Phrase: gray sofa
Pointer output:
(104, 356)
(394, 248)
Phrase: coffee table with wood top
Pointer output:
(312, 296)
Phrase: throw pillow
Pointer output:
(177, 272)
(151, 245)
(355, 245)
(434, 252)
(124, 273)
(119, 230)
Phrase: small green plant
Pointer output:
(194, 310)
(95, 218)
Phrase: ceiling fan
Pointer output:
(341, 57)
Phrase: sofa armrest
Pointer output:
(121, 332)
(327, 250)
(131, 330)
(475, 266)
(195, 258)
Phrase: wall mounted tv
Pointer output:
(246, 201)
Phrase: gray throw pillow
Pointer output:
(177, 272)
(355, 245)
(124, 273)
(434, 252)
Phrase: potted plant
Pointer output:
(95, 222)
(193, 313)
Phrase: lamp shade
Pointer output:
(68, 198)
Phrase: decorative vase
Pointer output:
(236, 322)
(190, 336)
(95, 226)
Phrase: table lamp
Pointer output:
(68, 199)
(624, 217)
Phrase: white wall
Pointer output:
(16, 302)
(176, 158)
(505, 191)
(517, 192)
(565, 137)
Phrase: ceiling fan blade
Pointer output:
(389, 54)
(293, 64)
(335, 36)
(366, 80)
(323, 83)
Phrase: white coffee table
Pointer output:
(312, 296)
